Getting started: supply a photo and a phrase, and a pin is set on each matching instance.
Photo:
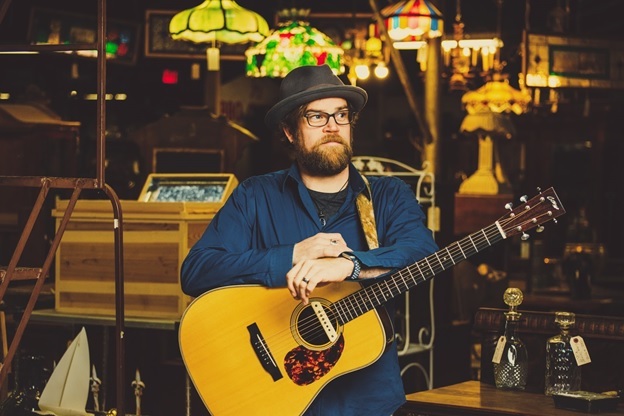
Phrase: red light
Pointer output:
(170, 77)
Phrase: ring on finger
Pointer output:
(305, 280)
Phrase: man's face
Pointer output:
(324, 150)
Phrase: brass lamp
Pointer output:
(489, 178)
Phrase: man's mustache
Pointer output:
(333, 138)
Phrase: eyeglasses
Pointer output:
(320, 118)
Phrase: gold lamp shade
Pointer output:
(496, 96)
(218, 21)
(488, 122)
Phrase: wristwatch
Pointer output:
(357, 265)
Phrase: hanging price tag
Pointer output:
(498, 351)
(580, 350)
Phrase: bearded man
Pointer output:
(303, 229)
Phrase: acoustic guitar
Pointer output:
(252, 350)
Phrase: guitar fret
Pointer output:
(436, 254)
(419, 270)
(450, 255)
(428, 264)
(486, 238)
(462, 250)
(405, 279)
(470, 237)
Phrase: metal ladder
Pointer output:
(14, 273)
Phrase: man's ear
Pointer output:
(289, 135)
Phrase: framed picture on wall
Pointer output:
(564, 61)
(159, 44)
(50, 27)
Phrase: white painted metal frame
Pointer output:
(425, 194)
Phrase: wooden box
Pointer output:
(156, 238)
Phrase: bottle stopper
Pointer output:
(513, 297)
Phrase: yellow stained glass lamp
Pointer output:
(292, 44)
(218, 21)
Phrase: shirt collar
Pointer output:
(356, 183)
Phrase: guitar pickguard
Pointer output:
(305, 366)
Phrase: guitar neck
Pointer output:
(370, 297)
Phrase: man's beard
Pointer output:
(324, 160)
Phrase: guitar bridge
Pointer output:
(262, 352)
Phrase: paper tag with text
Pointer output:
(498, 351)
(580, 350)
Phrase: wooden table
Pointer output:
(476, 398)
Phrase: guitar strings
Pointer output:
(410, 276)
(480, 239)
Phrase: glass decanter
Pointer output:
(563, 374)
(511, 370)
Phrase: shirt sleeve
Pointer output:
(401, 227)
(222, 255)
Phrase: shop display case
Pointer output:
(170, 215)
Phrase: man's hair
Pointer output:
(291, 123)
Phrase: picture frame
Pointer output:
(159, 44)
(556, 61)
(49, 26)
(575, 62)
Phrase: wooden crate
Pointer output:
(157, 236)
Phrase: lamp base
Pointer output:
(482, 182)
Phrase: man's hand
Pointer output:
(305, 276)
(319, 246)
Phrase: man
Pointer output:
(300, 228)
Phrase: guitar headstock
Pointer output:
(534, 212)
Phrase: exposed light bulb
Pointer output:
(381, 70)
(362, 71)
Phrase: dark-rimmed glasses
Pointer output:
(320, 118)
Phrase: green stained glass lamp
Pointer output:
(218, 21)
(292, 44)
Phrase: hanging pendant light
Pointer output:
(413, 20)
(218, 21)
(213, 22)
(222, 21)
(292, 44)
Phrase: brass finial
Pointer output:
(513, 298)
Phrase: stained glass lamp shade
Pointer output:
(412, 20)
(218, 21)
(293, 44)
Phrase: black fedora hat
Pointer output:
(309, 83)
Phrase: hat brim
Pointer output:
(355, 96)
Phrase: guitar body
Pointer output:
(252, 350)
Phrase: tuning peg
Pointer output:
(524, 198)
(524, 236)
(509, 206)
(539, 190)
(539, 228)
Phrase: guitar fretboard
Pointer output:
(370, 297)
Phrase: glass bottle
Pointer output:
(511, 370)
(563, 374)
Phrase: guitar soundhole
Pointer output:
(311, 330)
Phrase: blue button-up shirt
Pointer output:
(251, 241)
